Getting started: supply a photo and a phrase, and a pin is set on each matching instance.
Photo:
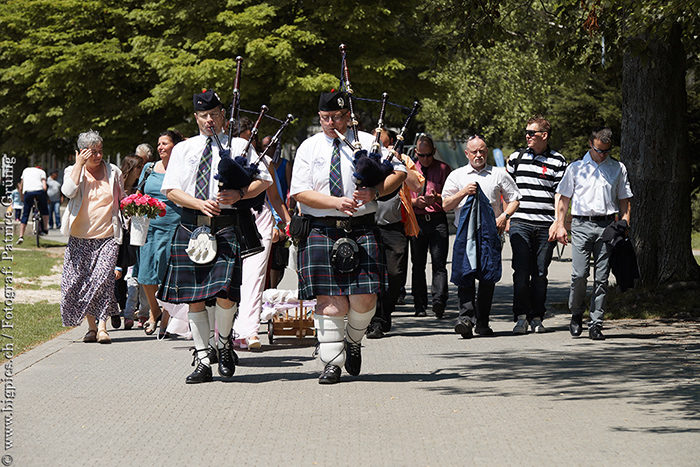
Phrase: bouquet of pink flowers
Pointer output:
(142, 205)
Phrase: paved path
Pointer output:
(425, 397)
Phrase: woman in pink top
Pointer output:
(91, 222)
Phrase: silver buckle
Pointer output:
(344, 224)
(203, 221)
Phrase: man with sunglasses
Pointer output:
(599, 190)
(433, 235)
(339, 213)
(537, 170)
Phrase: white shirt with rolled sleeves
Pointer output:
(493, 181)
(312, 167)
(184, 164)
(594, 189)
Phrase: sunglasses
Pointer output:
(476, 136)
(424, 155)
(335, 118)
(532, 133)
(604, 152)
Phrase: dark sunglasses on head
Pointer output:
(469, 138)
(532, 133)
(604, 152)
(424, 155)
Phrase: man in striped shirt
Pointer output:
(537, 171)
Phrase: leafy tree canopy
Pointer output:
(129, 69)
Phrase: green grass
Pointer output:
(695, 240)
(36, 323)
(31, 263)
(661, 302)
(33, 324)
(666, 302)
(671, 302)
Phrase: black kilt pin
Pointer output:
(316, 273)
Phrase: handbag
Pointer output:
(128, 253)
(149, 171)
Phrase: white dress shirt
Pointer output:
(184, 164)
(493, 181)
(595, 188)
(312, 167)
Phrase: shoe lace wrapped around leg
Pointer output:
(353, 348)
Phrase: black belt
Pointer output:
(226, 218)
(431, 216)
(345, 223)
(608, 217)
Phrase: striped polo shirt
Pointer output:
(537, 177)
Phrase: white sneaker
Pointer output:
(20, 240)
(521, 325)
(537, 326)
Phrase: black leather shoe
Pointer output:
(374, 331)
(227, 363)
(330, 375)
(201, 374)
(594, 332)
(483, 330)
(353, 358)
(214, 355)
(116, 321)
(576, 326)
(420, 313)
(439, 310)
(464, 328)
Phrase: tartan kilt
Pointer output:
(316, 273)
(189, 282)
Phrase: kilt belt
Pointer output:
(226, 218)
(344, 223)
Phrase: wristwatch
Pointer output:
(507, 215)
(376, 193)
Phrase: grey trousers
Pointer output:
(586, 240)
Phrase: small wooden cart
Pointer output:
(293, 321)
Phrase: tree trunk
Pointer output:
(654, 147)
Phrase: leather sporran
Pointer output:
(345, 255)
(299, 227)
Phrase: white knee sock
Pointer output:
(330, 332)
(199, 324)
(357, 324)
(212, 325)
(224, 320)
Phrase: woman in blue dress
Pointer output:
(154, 255)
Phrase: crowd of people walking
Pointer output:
(352, 239)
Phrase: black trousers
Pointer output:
(476, 307)
(433, 237)
(395, 249)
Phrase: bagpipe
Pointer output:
(370, 169)
(237, 173)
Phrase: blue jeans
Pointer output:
(532, 254)
(54, 213)
(586, 238)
